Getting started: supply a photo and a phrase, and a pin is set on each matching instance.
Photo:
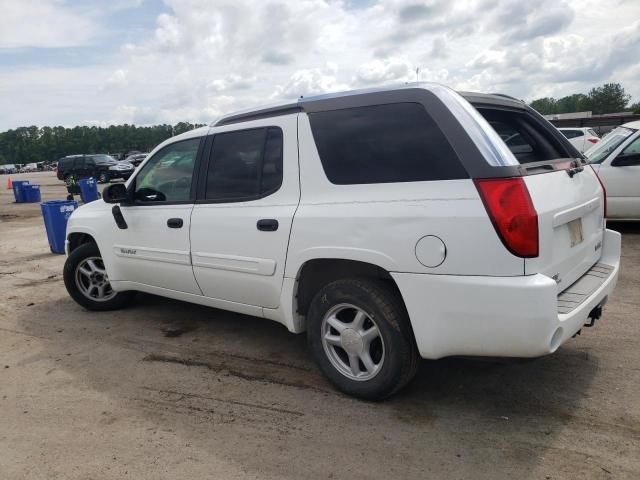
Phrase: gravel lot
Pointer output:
(171, 390)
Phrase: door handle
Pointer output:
(175, 223)
(267, 225)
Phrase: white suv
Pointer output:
(389, 224)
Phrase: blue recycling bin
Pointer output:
(88, 190)
(18, 192)
(55, 214)
(31, 193)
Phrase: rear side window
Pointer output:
(383, 144)
(245, 165)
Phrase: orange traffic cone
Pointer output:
(9, 184)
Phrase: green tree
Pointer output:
(578, 102)
(545, 106)
(635, 108)
(608, 98)
(33, 144)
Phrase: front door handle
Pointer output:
(267, 225)
(175, 223)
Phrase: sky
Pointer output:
(91, 62)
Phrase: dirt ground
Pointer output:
(171, 390)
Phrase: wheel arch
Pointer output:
(316, 273)
(76, 239)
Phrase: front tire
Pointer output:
(87, 281)
(360, 336)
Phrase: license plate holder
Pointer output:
(575, 232)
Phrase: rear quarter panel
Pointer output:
(382, 223)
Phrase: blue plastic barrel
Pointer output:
(55, 214)
(18, 192)
(88, 190)
(31, 193)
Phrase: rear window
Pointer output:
(572, 133)
(526, 137)
(383, 144)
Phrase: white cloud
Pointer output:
(117, 79)
(384, 71)
(43, 23)
(207, 57)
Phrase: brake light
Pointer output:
(604, 190)
(593, 139)
(511, 211)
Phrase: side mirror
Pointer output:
(116, 193)
(626, 160)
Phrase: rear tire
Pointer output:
(87, 282)
(360, 336)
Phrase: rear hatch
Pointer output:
(570, 208)
(566, 194)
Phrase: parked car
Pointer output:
(581, 138)
(29, 167)
(8, 168)
(617, 161)
(136, 159)
(103, 168)
(348, 216)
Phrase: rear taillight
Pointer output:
(604, 190)
(509, 206)
(593, 139)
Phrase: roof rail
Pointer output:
(507, 96)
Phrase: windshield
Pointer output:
(608, 144)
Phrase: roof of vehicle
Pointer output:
(334, 99)
(635, 125)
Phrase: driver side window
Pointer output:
(167, 176)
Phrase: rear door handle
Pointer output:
(174, 223)
(267, 225)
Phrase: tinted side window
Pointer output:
(383, 144)
(245, 164)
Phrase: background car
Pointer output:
(103, 168)
(136, 158)
(616, 159)
(8, 168)
(581, 138)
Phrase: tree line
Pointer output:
(38, 144)
(607, 98)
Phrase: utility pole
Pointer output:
(417, 74)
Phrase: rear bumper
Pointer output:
(498, 316)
